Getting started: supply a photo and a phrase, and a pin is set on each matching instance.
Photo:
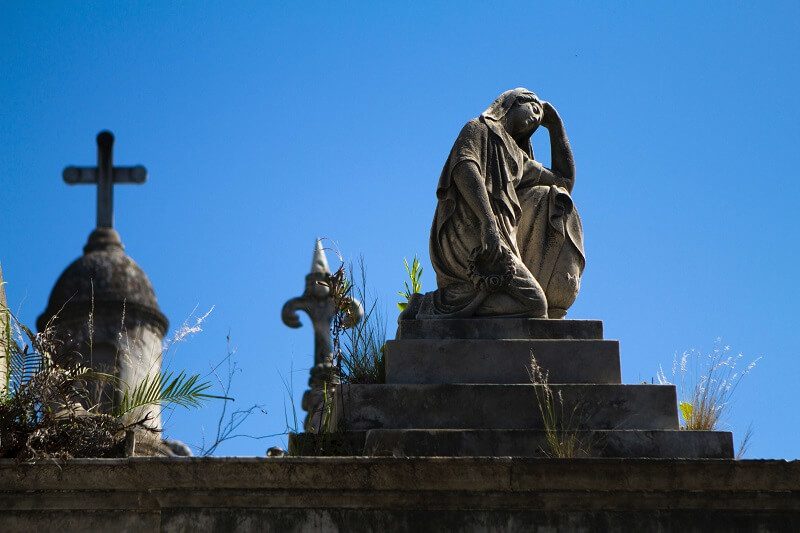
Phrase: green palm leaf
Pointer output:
(163, 389)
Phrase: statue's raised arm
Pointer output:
(562, 171)
(506, 239)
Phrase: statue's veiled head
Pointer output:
(519, 111)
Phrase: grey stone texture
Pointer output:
(533, 443)
(508, 328)
(483, 406)
(506, 239)
(399, 494)
(486, 363)
(103, 279)
(456, 390)
(425, 361)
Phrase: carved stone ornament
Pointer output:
(318, 304)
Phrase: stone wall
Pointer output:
(4, 332)
(399, 494)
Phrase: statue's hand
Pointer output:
(549, 115)
(490, 242)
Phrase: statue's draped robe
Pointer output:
(537, 223)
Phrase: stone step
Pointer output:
(499, 328)
(482, 406)
(532, 443)
(427, 361)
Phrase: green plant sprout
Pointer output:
(414, 272)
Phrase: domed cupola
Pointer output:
(103, 282)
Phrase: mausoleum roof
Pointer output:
(104, 278)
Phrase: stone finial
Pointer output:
(319, 262)
(317, 303)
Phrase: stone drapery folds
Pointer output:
(536, 269)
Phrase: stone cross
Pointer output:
(105, 175)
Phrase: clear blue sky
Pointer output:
(266, 125)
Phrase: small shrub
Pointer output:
(358, 345)
(47, 410)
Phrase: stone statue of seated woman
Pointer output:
(506, 238)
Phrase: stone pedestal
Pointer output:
(462, 388)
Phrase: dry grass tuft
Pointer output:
(561, 425)
(706, 384)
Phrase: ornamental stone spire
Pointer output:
(317, 302)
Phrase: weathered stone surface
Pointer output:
(514, 443)
(5, 332)
(484, 406)
(461, 387)
(106, 281)
(333, 444)
(317, 303)
(499, 328)
(532, 443)
(391, 494)
(425, 361)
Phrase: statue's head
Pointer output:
(518, 110)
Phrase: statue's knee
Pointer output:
(562, 292)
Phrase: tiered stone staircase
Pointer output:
(462, 388)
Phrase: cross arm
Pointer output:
(76, 175)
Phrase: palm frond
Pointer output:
(162, 388)
(23, 365)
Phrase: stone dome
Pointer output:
(106, 275)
